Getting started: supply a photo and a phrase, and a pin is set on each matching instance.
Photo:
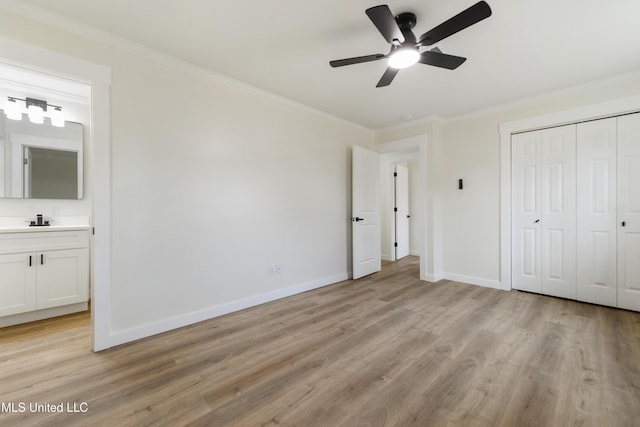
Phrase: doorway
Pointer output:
(412, 151)
(400, 211)
(381, 208)
(58, 68)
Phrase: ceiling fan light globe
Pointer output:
(403, 58)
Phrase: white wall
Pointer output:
(205, 198)
(211, 183)
(468, 147)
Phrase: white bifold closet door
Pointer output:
(543, 211)
(629, 212)
(609, 212)
(576, 211)
(596, 220)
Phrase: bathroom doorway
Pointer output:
(82, 89)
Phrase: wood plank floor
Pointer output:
(386, 350)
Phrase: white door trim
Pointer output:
(589, 112)
(35, 58)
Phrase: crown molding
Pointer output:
(100, 36)
(548, 96)
(420, 123)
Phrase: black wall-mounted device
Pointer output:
(460, 186)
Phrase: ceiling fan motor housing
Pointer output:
(406, 22)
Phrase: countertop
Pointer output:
(26, 229)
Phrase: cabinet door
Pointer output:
(525, 212)
(17, 283)
(596, 219)
(629, 212)
(63, 277)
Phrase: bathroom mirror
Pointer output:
(40, 161)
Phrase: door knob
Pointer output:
(536, 221)
(623, 223)
(356, 219)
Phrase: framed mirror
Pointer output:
(41, 161)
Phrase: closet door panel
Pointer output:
(525, 212)
(596, 212)
(558, 207)
(629, 212)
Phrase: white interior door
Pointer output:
(596, 219)
(629, 212)
(526, 268)
(401, 210)
(365, 212)
(558, 207)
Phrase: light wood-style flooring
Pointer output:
(386, 350)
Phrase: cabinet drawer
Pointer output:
(43, 241)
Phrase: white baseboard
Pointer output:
(487, 283)
(432, 277)
(164, 325)
(32, 316)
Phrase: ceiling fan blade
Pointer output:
(442, 60)
(387, 77)
(464, 19)
(384, 21)
(356, 60)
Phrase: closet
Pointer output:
(576, 211)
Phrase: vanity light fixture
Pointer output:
(12, 109)
(35, 109)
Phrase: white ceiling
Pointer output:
(526, 48)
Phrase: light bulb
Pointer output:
(57, 117)
(403, 57)
(12, 110)
(36, 114)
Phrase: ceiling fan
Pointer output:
(405, 48)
